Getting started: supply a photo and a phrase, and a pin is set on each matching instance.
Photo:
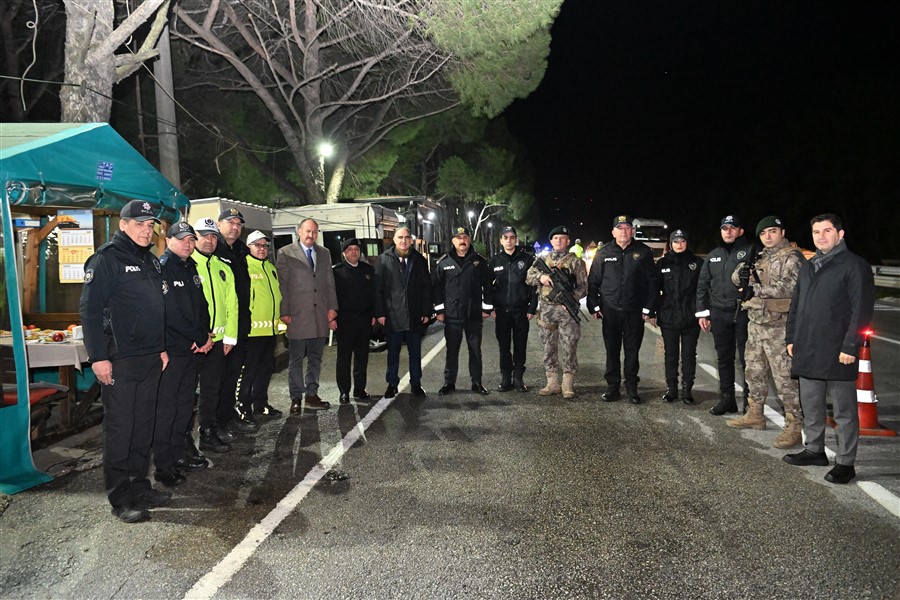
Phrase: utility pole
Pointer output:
(165, 112)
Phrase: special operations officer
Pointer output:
(558, 329)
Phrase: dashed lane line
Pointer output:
(222, 573)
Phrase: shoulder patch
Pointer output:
(88, 275)
(692, 266)
(165, 287)
(741, 254)
(197, 281)
(156, 264)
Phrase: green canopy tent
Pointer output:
(61, 165)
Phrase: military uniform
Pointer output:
(556, 326)
(778, 268)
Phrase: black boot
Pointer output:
(671, 394)
(631, 393)
(726, 405)
(686, 393)
(518, 381)
(505, 382)
(209, 440)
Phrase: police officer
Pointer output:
(557, 328)
(215, 409)
(354, 281)
(515, 303)
(187, 340)
(233, 252)
(462, 290)
(679, 271)
(622, 291)
(773, 280)
(719, 310)
(265, 325)
(122, 312)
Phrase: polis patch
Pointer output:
(88, 275)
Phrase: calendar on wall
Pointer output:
(75, 236)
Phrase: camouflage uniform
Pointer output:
(778, 269)
(555, 325)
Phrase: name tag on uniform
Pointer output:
(716, 259)
(132, 269)
(450, 268)
(613, 259)
(178, 283)
(665, 270)
(498, 269)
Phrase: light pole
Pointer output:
(326, 150)
(490, 236)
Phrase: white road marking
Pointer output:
(712, 371)
(222, 573)
(885, 339)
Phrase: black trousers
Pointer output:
(211, 385)
(730, 335)
(684, 340)
(259, 364)
(353, 334)
(512, 326)
(453, 334)
(232, 367)
(622, 329)
(174, 408)
(129, 415)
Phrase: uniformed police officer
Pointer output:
(515, 303)
(122, 312)
(558, 329)
(265, 306)
(622, 291)
(216, 410)
(773, 281)
(679, 271)
(354, 282)
(187, 341)
(233, 252)
(719, 311)
(462, 289)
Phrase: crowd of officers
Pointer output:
(224, 302)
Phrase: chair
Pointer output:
(41, 396)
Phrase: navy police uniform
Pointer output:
(462, 290)
(123, 316)
(355, 288)
(513, 301)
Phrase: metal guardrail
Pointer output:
(886, 277)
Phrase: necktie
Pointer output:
(309, 259)
(403, 265)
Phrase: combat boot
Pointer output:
(505, 382)
(726, 405)
(518, 380)
(552, 388)
(754, 419)
(791, 436)
(568, 385)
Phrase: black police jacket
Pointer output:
(122, 306)
(403, 301)
(623, 279)
(236, 257)
(462, 287)
(355, 289)
(508, 288)
(187, 313)
(714, 287)
(678, 275)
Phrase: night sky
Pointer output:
(691, 110)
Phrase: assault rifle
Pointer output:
(563, 291)
(745, 290)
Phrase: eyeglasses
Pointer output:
(263, 246)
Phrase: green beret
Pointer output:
(770, 221)
(559, 230)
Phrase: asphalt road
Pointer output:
(500, 496)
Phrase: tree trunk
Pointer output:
(89, 100)
(336, 181)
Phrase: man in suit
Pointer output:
(403, 306)
(309, 309)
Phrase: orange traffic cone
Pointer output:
(866, 400)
